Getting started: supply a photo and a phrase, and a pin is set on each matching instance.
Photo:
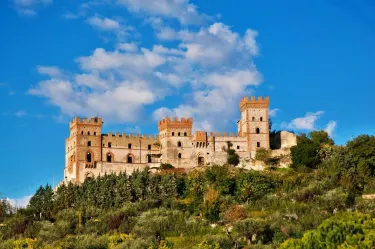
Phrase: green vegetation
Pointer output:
(315, 204)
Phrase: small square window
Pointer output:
(129, 146)
(238, 147)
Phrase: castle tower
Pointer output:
(254, 122)
(175, 139)
(83, 147)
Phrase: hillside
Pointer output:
(317, 203)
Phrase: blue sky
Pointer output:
(133, 62)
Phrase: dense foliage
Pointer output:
(215, 207)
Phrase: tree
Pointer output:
(362, 150)
(232, 158)
(42, 202)
(253, 226)
(320, 138)
(347, 230)
(305, 153)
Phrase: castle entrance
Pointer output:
(200, 161)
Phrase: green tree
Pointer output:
(305, 153)
(232, 158)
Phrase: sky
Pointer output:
(134, 62)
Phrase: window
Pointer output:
(179, 144)
(88, 157)
(109, 145)
(172, 134)
(258, 144)
(149, 147)
(185, 134)
(238, 147)
(129, 146)
(89, 143)
(81, 132)
(257, 130)
(109, 157)
(94, 133)
(149, 158)
(261, 118)
(88, 133)
(253, 118)
(179, 155)
(178, 134)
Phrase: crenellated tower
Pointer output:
(254, 124)
(83, 146)
(175, 136)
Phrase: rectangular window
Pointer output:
(149, 147)
(109, 145)
(258, 144)
(89, 143)
(238, 147)
(129, 146)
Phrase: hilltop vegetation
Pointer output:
(315, 204)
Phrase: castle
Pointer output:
(90, 153)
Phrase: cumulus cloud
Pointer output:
(28, 7)
(105, 24)
(182, 10)
(330, 128)
(51, 71)
(305, 123)
(213, 62)
(273, 112)
(20, 202)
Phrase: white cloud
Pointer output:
(105, 24)
(305, 123)
(273, 112)
(128, 47)
(214, 62)
(28, 7)
(49, 70)
(181, 10)
(20, 202)
(331, 126)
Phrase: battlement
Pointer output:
(225, 134)
(167, 123)
(200, 136)
(86, 121)
(130, 135)
(254, 103)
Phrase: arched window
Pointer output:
(89, 143)
(185, 134)
(89, 157)
(257, 130)
(88, 133)
(179, 155)
(172, 134)
(179, 144)
(94, 133)
(109, 157)
(109, 144)
(178, 134)
(81, 132)
(253, 118)
(130, 158)
(261, 118)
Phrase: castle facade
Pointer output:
(89, 153)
